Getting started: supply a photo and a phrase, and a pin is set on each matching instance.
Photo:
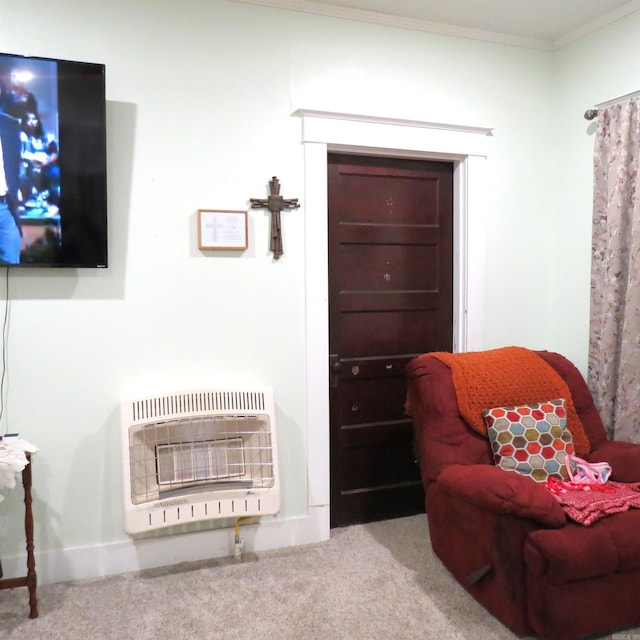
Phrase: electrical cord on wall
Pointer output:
(5, 341)
(3, 375)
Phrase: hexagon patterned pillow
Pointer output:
(531, 439)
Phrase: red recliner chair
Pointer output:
(505, 537)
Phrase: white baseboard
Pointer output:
(134, 555)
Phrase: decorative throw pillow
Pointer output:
(531, 439)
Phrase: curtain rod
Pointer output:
(590, 114)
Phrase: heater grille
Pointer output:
(200, 461)
(199, 455)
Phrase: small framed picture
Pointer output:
(220, 229)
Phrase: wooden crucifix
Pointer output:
(275, 203)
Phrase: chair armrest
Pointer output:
(502, 492)
(624, 458)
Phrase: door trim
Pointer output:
(468, 148)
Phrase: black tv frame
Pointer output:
(72, 104)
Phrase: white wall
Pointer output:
(200, 101)
(595, 69)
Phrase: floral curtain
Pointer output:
(614, 341)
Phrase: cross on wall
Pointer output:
(276, 204)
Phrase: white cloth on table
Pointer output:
(13, 459)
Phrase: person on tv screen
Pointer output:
(40, 178)
(16, 99)
(9, 184)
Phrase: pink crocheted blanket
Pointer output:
(586, 507)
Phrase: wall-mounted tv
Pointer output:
(56, 178)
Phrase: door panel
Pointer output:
(364, 233)
(391, 332)
(361, 407)
(388, 195)
(390, 298)
(384, 267)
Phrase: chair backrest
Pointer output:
(444, 438)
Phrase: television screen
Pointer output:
(53, 127)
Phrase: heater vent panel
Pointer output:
(199, 455)
(196, 402)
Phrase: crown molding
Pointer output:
(603, 21)
(389, 20)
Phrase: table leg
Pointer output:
(32, 578)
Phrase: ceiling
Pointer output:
(542, 24)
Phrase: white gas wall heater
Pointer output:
(199, 455)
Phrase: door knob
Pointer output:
(334, 363)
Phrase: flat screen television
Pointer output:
(61, 202)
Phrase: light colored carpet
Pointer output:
(377, 581)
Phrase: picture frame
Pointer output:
(222, 229)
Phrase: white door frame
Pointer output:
(467, 148)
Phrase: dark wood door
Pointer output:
(390, 299)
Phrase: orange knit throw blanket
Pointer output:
(507, 377)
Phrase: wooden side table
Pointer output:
(31, 579)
